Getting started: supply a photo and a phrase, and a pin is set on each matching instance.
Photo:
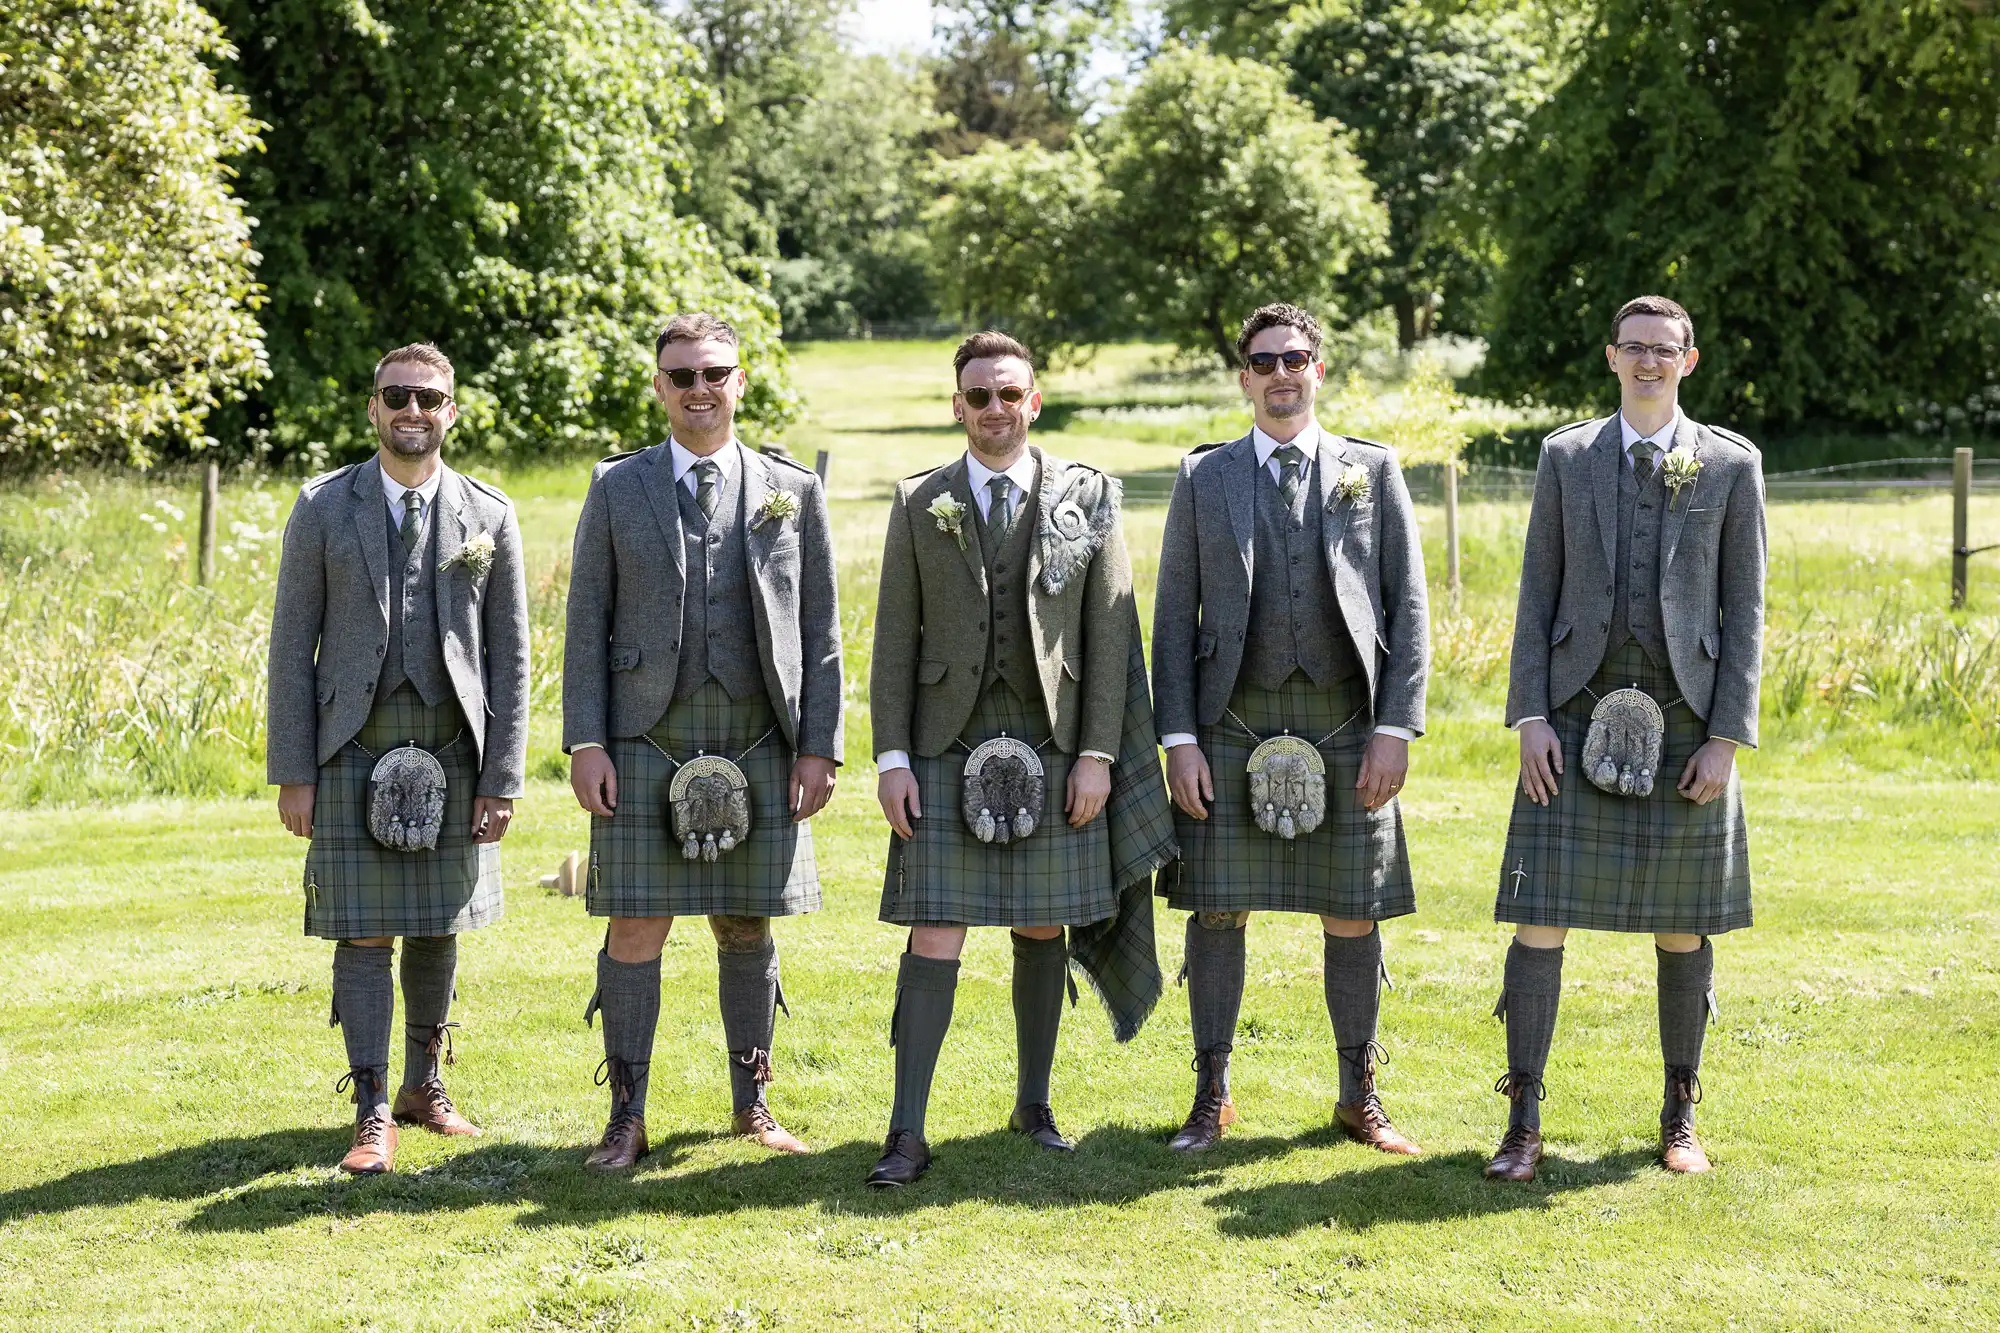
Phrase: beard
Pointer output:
(1003, 441)
(1287, 408)
(412, 446)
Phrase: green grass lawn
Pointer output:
(166, 1155)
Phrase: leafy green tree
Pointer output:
(126, 285)
(1019, 70)
(1430, 93)
(497, 175)
(1818, 183)
(1223, 192)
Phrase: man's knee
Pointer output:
(1541, 937)
(637, 939)
(1672, 943)
(1222, 920)
(740, 934)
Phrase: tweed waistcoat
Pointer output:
(1010, 652)
(1295, 620)
(718, 631)
(1635, 598)
(415, 653)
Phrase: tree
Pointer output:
(126, 285)
(1430, 93)
(1818, 183)
(496, 175)
(1019, 70)
(1222, 192)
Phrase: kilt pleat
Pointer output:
(1057, 876)
(636, 866)
(1354, 866)
(355, 888)
(1596, 861)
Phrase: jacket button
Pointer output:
(368, 688)
(1605, 626)
(982, 627)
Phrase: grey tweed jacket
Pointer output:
(330, 626)
(628, 573)
(1711, 575)
(1201, 611)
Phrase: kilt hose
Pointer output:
(1057, 876)
(636, 866)
(1597, 861)
(356, 888)
(1355, 866)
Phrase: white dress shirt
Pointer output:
(979, 477)
(1308, 440)
(426, 490)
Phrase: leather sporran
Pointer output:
(1621, 752)
(1287, 779)
(708, 807)
(406, 800)
(1005, 788)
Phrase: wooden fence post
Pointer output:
(211, 485)
(1961, 506)
(1451, 582)
(820, 465)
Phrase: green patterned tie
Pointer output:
(1000, 508)
(1645, 457)
(704, 487)
(413, 509)
(1290, 459)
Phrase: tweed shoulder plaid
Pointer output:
(636, 866)
(1354, 866)
(1594, 861)
(357, 889)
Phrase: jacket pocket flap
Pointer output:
(930, 671)
(323, 690)
(624, 656)
(1711, 645)
(1073, 667)
(1558, 633)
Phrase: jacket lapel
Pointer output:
(449, 511)
(1687, 435)
(372, 524)
(1239, 486)
(659, 476)
(1046, 496)
(1607, 456)
(757, 538)
(957, 482)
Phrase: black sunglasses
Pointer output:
(978, 396)
(396, 397)
(1265, 363)
(684, 379)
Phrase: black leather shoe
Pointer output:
(905, 1158)
(1038, 1122)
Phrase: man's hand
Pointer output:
(1707, 774)
(1541, 761)
(1383, 767)
(594, 779)
(896, 789)
(295, 807)
(1089, 789)
(1189, 781)
(812, 786)
(490, 817)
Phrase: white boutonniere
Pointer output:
(950, 516)
(1351, 485)
(1679, 470)
(476, 556)
(777, 507)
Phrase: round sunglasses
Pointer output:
(396, 397)
(684, 379)
(978, 396)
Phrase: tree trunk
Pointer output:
(1406, 321)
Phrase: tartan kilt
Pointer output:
(636, 866)
(1355, 866)
(1595, 861)
(357, 889)
(1057, 876)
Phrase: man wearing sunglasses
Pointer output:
(1005, 620)
(1291, 601)
(702, 623)
(401, 619)
(1643, 575)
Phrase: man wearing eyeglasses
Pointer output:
(401, 620)
(1637, 647)
(1014, 744)
(702, 714)
(1291, 609)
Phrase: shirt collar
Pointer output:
(1307, 440)
(392, 490)
(1664, 436)
(684, 460)
(1022, 474)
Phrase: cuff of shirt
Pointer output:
(889, 759)
(1400, 733)
(1173, 738)
(585, 745)
(1099, 754)
(1733, 741)
(1526, 720)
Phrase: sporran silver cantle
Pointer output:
(406, 799)
(1287, 777)
(1621, 751)
(1004, 790)
(708, 803)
